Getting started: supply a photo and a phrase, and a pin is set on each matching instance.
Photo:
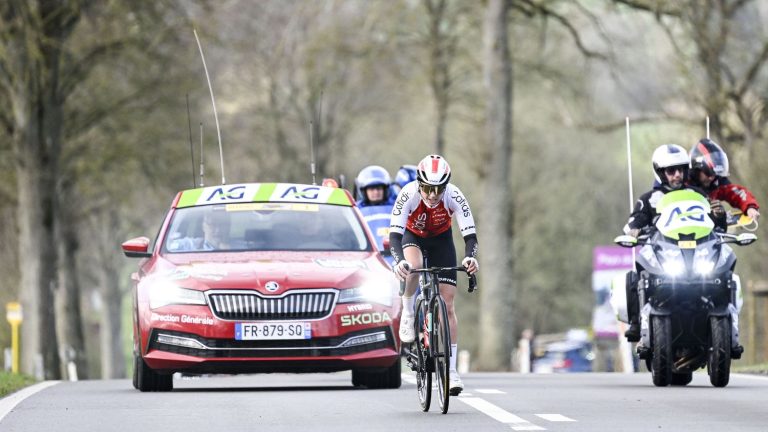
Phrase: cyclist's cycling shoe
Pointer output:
(456, 385)
(407, 331)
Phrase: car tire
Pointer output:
(147, 380)
(388, 378)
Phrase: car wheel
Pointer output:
(135, 373)
(147, 379)
(378, 379)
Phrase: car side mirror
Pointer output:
(626, 241)
(137, 248)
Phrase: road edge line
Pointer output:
(9, 402)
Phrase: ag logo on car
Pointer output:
(272, 286)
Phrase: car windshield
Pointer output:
(265, 226)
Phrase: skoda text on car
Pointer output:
(267, 277)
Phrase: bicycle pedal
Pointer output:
(455, 391)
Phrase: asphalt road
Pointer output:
(328, 402)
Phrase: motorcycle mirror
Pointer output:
(744, 239)
(625, 241)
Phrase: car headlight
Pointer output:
(167, 293)
(371, 292)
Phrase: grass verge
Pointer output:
(10, 382)
(760, 368)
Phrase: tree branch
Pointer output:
(646, 118)
(545, 11)
(657, 7)
(77, 72)
(751, 74)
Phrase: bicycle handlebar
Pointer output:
(434, 270)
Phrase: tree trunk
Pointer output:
(496, 217)
(112, 358)
(439, 69)
(35, 173)
(69, 318)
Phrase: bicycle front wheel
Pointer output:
(442, 351)
(423, 374)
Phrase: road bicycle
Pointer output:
(431, 351)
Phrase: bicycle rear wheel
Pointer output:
(423, 375)
(442, 350)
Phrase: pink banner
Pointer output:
(611, 258)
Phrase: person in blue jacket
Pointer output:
(405, 175)
(376, 198)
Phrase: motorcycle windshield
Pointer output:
(684, 212)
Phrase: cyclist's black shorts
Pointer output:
(440, 252)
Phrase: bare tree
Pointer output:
(496, 218)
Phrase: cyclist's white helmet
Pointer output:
(433, 170)
(669, 155)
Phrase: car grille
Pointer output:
(292, 305)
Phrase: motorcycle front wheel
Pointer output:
(719, 362)
(661, 363)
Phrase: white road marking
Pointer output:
(464, 394)
(555, 417)
(500, 415)
(410, 379)
(757, 377)
(490, 391)
(8, 403)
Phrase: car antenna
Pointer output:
(629, 172)
(202, 167)
(191, 149)
(312, 153)
(213, 102)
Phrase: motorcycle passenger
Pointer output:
(405, 175)
(670, 167)
(709, 171)
(421, 221)
(376, 200)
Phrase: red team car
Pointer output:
(268, 277)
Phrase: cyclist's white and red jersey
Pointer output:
(410, 212)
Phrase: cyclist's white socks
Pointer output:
(454, 348)
(408, 305)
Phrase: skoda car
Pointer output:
(267, 277)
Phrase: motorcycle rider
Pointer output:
(709, 171)
(374, 187)
(421, 221)
(670, 167)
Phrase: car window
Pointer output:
(265, 226)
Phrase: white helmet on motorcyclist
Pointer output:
(669, 156)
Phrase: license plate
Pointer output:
(687, 244)
(273, 331)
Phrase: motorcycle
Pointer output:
(687, 291)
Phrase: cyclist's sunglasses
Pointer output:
(428, 189)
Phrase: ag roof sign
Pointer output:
(263, 192)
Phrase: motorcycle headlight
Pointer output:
(673, 267)
(370, 292)
(164, 294)
(703, 267)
